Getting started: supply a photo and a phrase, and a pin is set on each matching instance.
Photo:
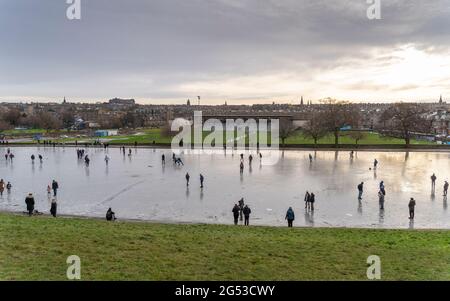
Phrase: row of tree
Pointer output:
(401, 120)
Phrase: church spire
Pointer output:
(440, 99)
(301, 101)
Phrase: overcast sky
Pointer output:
(242, 51)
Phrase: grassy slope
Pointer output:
(37, 248)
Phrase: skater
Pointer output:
(55, 187)
(32, 158)
(241, 167)
(29, 200)
(433, 182)
(445, 188)
(2, 187)
(179, 162)
(241, 207)
(250, 159)
(106, 159)
(87, 160)
(312, 199)
(382, 187)
(53, 208)
(381, 199)
(6, 157)
(290, 216)
(8, 187)
(187, 178)
(11, 156)
(174, 158)
(360, 190)
(235, 211)
(310, 158)
(375, 164)
(40, 158)
(129, 152)
(242, 157)
(110, 215)
(202, 178)
(260, 156)
(49, 190)
(306, 199)
(411, 206)
(163, 159)
(246, 212)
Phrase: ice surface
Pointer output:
(140, 187)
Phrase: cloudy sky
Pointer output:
(242, 51)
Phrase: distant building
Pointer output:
(106, 133)
(122, 102)
(188, 103)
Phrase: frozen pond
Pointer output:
(140, 187)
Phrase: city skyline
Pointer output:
(241, 52)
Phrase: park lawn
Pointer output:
(36, 248)
(345, 139)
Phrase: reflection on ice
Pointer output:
(139, 186)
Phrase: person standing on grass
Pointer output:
(445, 188)
(187, 178)
(411, 206)
(433, 182)
(29, 200)
(290, 217)
(53, 208)
(246, 212)
(110, 215)
(360, 190)
(55, 187)
(235, 211)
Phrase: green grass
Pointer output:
(147, 136)
(36, 248)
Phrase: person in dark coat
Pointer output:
(246, 212)
(235, 213)
(55, 187)
(360, 190)
(53, 208)
(312, 199)
(110, 215)
(290, 216)
(187, 178)
(29, 200)
(241, 208)
(202, 178)
(306, 199)
(411, 206)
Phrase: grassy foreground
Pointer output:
(37, 248)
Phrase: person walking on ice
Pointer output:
(433, 182)
(445, 188)
(187, 178)
(202, 178)
(290, 217)
(411, 206)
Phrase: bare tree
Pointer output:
(357, 136)
(47, 121)
(338, 114)
(12, 117)
(286, 129)
(316, 127)
(402, 120)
